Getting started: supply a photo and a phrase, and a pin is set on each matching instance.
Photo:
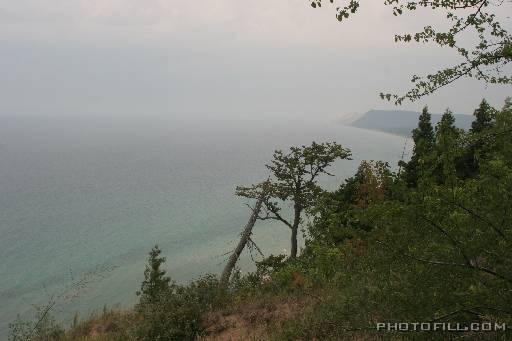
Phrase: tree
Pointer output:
(244, 239)
(155, 282)
(477, 147)
(447, 139)
(374, 183)
(423, 137)
(167, 311)
(294, 178)
(483, 117)
(440, 251)
(335, 213)
(485, 60)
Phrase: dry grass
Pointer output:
(111, 325)
(250, 322)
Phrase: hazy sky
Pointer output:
(213, 58)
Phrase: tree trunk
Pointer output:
(293, 252)
(295, 228)
(241, 244)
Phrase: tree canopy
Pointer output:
(294, 177)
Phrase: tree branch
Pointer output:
(452, 240)
(477, 216)
(277, 216)
(463, 265)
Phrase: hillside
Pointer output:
(401, 122)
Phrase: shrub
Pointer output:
(42, 328)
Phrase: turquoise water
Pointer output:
(81, 195)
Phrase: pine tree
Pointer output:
(468, 163)
(155, 282)
(446, 139)
(446, 131)
(508, 104)
(484, 116)
(423, 137)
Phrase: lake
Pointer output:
(87, 197)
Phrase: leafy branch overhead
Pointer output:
(484, 60)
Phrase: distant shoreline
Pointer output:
(398, 122)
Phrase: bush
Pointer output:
(174, 315)
(43, 328)
(168, 311)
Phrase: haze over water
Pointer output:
(83, 195)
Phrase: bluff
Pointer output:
(401, 122)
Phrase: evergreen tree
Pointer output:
(423, 137)
(446, 141)
(483, 117)
(478, 148)
(468, 163)
(155, 282)
(446, 131)
(507, 107)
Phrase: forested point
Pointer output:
(429, 242)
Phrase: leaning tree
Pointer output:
(294, 179)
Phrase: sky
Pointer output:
(216, 58)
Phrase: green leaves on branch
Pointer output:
(294, 174)
(484, 61)
(294, 177)
(436, 250)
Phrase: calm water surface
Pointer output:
(82, 195)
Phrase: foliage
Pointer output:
(439, 251)
(484, 116)
(43, 325)
(42, 328)
(446, 149)
(423, 137)
(169, 311)
(473, 19)
(336, 214)
(118, 325)
(380, 248)
(155, 282)
(270, 265)
(295, 178)
(174, 316)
